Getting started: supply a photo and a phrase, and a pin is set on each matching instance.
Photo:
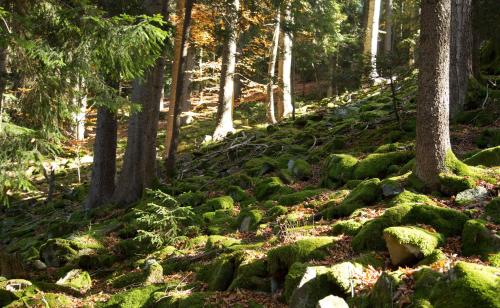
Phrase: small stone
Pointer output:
(154, 272)
(332, 301)
(39, 265)
(472, 195)
(245, 224)
(391, 189)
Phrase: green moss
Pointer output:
(276, 211)
(447, 221)
(376, 165)
(424, 241)
(219, 273)
(191, 198)
(382, 294)
(151, 274)
(220, 242)
(254, 215)
(492, 210)
(394, 147)
(293, 278)
(408, 197)
(252, 274)
(298, 197)
(452, 184)
(182, 300)
(353, 184)
(477, 239)
(435, 256)
(134, 298)
(300, 169)
(52, 300)
(267, 187)
(489, 137)
(220, 203)
(487, 157)
(280, 259)
(76, 279)
(348, 227)
(260, 165)
(58, 252)
(237, 193)
(340, 167)
(363, 195)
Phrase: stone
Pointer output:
(332, 301)
(472, 195)
(39, 265)
(154, 272)
(245, 224)
(77, 280)
(391, 189)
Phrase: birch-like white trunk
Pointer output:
(285, 107)
(371, 36)
(273, 54)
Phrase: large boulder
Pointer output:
(340, 167)
(409, 244)
(487, 157)
(58, 252)
(377, 165)
(478, 239)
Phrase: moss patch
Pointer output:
(340, 167)
(363, 195)
(488, 157)
(477, 239)
(376, 165)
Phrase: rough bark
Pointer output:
(284, 105)
(102, 184)
(433, 140)
(175, 68)
(226, 90)
(186, 117)
(273, 54)
(388, 27)
(370, 43)
(171, 155)
(139, 164)
(460, 53)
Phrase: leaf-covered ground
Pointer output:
(323, 204)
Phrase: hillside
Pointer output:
(276, 215)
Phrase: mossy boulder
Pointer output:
(348, 227)
(281, 259)
(376, 165)
(300, 169)
(58, 252)
(267, 187)
(488, 157)
(436, 256)
(298, 197)
(77, 280)
(276, 211)
(452, 184)
(220, 203)
(490, 137)
(492, 210)
(52, 300)
(382, 294)
(151, 273)
(340, 167)
(219, 273)
(365, 194)
(182, 299)
(408, 244)
(220, 242)
(478, 239)
(259, 166)
(252, 274)
(465, 285)
(218, 222)
(237, 193)
(134, 298)
(248, 220)
(191, 198)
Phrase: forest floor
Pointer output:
(286, 214)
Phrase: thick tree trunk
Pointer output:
(285, 107)
(139, 164)
(171, 155)
(460, 53)
(186, 117)
(370, 44)
(226, 91)
(273, 54)
(102, 184)
(388, 27)
(175, 68)
(433, 137)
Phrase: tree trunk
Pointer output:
(433, 137)
(388, 27)
(226, 90)
(285, 107)
(3, 76)
(186, 117)
(370, 44)
(175, 68)
(460, 53)
(80, 101)
(273, 54)
(139, 164)
(170, 158)
(102, 184)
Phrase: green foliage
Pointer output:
(160, 222)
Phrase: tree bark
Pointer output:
(285, 107)
(186, 117)
(273, 54)
(80, 101)
(226, 90)
(433, 139)
(139, 164)
(102, 184)
(388, 27)
(171, 155)
(460, 53)
(370, 44)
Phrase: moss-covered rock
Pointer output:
(134, 298)
(248, 220)
(466, 285)
(300, 169)
(182, 300)
(276, 211)
(363, 195)
(407, 244)
(382, 294)
(237, 193)
(259, 166)
(488, 157)
(220, 242)
(477, 239)
(347, 227)
(220, 203)
(58, 252)
(376, 165)
(267, 187)
(452, 184)
(252, 274)
(219, 222)
(436, 256)
(191, 198)
(298, 197)
(52, 300)
(340, 167)
(280, 259)
(219, 273)
(492, 210)
(77, 280)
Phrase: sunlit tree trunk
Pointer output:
(171, 155)
(460, 53)
(388, 27)
(433, 137)
(273, 54)
(139, 164)
(370, 44)
(226, 90)
(80, 101)
(186, 117)
(102, 184)
(284, 105)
